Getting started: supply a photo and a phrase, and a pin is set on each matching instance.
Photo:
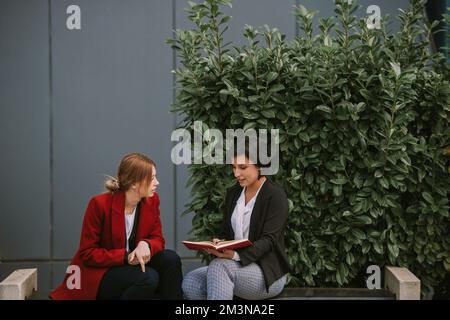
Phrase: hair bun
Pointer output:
(112, 184)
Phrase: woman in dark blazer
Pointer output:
(121, 253)
(255, 209)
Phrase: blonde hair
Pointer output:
(134, 168)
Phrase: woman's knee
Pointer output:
(190, 280)
(188, 284)
(193, 285)
(221, 263)
(149, 278)
(168, 258)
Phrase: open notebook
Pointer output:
(221, 245)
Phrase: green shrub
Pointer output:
(447, 32)
(363, 116)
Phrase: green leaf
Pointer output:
(394, 250)
(225, 92)
(350, 259)
(271, 76)
(253, 98)
(294, 130)
(406, 160)
(339, 181)
(329, 265)
(447, 264)
(268, 114)
(364, 219)
(343, 270)
(339, 278)
(384, 182)
(224, 20)
(276, 88)
(358, 234)
(346, 213)
(396, 67)
(378, 248)
(427, 196)
(324, 109)
(304, 136)
(365, 247)
(249, 125)
(342, 229)
(302, 10)
(250, 115)
(337, 190)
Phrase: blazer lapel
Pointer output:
(118, 220)
(256, 213)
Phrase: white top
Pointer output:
(240, 219)
(129, 222)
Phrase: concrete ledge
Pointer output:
(402, 282)
(19, 285)
(334, 294)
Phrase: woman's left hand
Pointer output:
(226, 254)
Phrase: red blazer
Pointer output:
(102, 243)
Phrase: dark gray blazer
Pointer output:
(267, 223)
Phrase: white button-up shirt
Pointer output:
(129, 222)
(240, 219)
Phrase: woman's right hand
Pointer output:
(140, 255)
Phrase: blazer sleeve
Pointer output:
(273, 226)
(154, 237)
(90, 251)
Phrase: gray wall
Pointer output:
(73, 102)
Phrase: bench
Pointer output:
(400, 284)
(334, 294)
(19, 285)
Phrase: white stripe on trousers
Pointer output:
(225, 278)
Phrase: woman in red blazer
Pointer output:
(121, 253)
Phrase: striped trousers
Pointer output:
(225, 278)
